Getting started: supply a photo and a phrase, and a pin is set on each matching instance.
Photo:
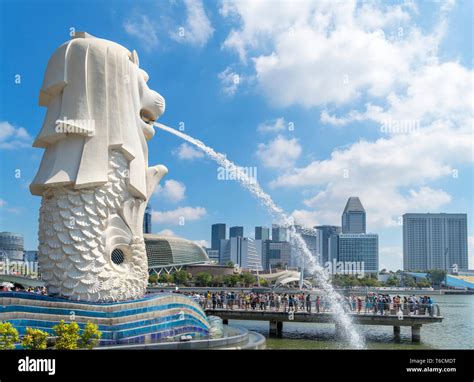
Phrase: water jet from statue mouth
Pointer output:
(296, 241)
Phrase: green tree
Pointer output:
(218, 280)
(165, 278)
(393, 281)
(436, 276)
(203, 279)
(229, 264)
(67, 335)
(35, 339)
(90, 336)
(263, 282)
(152, 279)
(181, 277)
(8, 336)
(231, 280)
(423, 284)
(247, 279)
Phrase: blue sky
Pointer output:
(378, 94)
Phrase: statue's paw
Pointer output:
(153, 177)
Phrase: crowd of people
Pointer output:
(37, 290)
(372, 303)
(375, 303)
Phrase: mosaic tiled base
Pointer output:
(156, 317)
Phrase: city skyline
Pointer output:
(378, 131)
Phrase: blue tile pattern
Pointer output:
(152, 318)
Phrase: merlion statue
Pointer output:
(94, 178)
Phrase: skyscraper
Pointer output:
(12, 245)
(217, 233)
(279, 233)
(310, 237)
(349, 243)
(236, 231)
(262, 233)
(434, 241)
(147, 220)
(241, 251)
(353, 217)
(324, 234)
(359, 247)
(277, 254)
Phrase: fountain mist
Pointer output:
(343, 320)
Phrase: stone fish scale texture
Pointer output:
(74, 224)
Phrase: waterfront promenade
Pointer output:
(277, 318)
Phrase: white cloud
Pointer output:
(167, 232)
(172, 190)
(142, 28)
(12, 137)
(198, 29)
(4, 206)
(389, 174)
(230, 81)
(391, 258)
(438, 91)
(179, 216)
(280, 153)
(187, 152)
(202, 243)
(273, 126)
(312, 53)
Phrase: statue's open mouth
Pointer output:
(147, 126)
(147, 120)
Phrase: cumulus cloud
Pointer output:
(202, 243)
(198, 29)
(311, 53)
(230, 81)
(166, 232)
(142, 29)
(4, 207)
(279, 153)
(273, 126)
(195, 30)
(171, 190)
(391, 258)
(12, 137)
(438, 91)
(187, 152)
(389, 174)
(179, 216)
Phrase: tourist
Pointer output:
(285, 302)
(291, 303)
(359, 305)
(308, 303)
(214, 301)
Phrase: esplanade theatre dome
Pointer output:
(164, 251)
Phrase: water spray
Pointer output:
(296, 240)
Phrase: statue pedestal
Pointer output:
(156, 317)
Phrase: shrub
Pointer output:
(203, 279)
(67, 335)
(35, 339)
(8, 336)
(153, 279)
(90, 336)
